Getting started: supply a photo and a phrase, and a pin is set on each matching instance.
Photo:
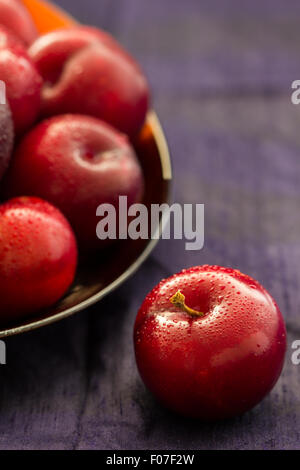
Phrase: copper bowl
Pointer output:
(99, 276)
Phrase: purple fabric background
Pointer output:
(221, 75)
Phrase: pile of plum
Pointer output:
(75, 100)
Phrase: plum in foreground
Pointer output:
(209, 342)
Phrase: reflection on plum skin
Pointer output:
(256, 343)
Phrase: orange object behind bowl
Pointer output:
(48, 17)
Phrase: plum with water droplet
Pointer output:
(22, 81)
(209, 353)
(77, 163)
(86, 71)
(38, 257)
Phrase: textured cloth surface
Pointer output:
(221, 74)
